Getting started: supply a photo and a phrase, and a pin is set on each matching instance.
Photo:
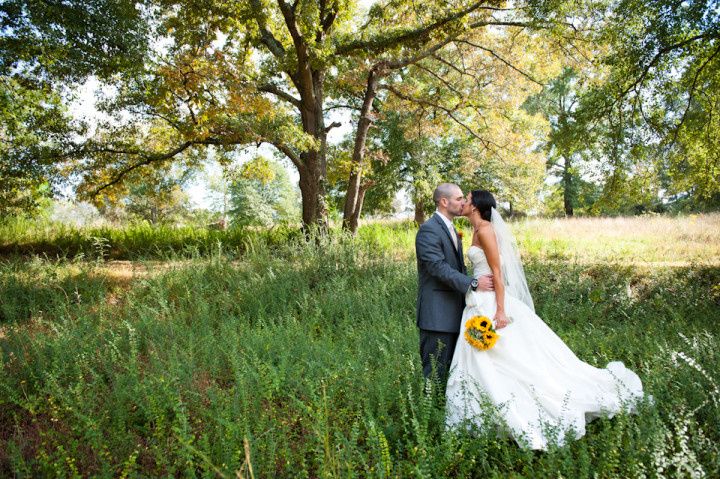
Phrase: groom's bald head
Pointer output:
(445, 190)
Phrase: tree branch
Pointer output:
(489, 144)
(295, 158)
(442, 80)
(339, 106)
(691, 95)
(656, 58)
(267, 38)
(275, 90)
(383, 43)
(403, 62)
(332, 125)
(327, 20)
(155, 114)
(507, 63)
(147, 158)
(450, 65)
(289, 16)
(496, 23)
(303, 78)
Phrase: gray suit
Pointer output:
(442, 284)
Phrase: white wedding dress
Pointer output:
(530, 385)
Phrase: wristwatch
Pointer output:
(474, 284)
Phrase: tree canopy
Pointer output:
(269, 72)
(33, 126)
(659, 93)
(261, 195)
(443, 81)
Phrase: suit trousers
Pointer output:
(436, 351)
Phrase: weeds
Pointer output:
(297, 359)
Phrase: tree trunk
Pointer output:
(419, 213)
(312, 190)
(568, 193)
(309, 82)
(312, 166)
(355, 195)
(354, 220)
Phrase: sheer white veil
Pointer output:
(513, 273)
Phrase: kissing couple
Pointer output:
(529, 381)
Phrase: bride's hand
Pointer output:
(485, 283)
(501, 320)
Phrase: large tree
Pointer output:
(659, 95)
(458, 107)
(44, 48)
(261, 194)
(33, 122)
(159, 198)
(234, 74)
(404, 152)
(569, 139)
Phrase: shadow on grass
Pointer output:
(50, 289)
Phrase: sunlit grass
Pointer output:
(20, 236)
(656, 239)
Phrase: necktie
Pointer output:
(453, 235)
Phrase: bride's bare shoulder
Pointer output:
(485, 234)
(484, 228)
(482, 233)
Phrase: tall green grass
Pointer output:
(19, 236)
(308, 353)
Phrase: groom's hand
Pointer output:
(485, 283)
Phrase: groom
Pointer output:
(442, 282)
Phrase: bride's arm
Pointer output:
(488, 242)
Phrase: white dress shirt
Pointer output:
(450, 227)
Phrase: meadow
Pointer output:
(155, 352)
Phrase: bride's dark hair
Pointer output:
(484, 201)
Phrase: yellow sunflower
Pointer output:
(479, 333)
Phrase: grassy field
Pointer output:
(134, 242)
(271, 357)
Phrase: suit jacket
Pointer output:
(442, 278)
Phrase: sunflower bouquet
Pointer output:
(479, 332)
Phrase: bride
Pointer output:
(539, 390)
